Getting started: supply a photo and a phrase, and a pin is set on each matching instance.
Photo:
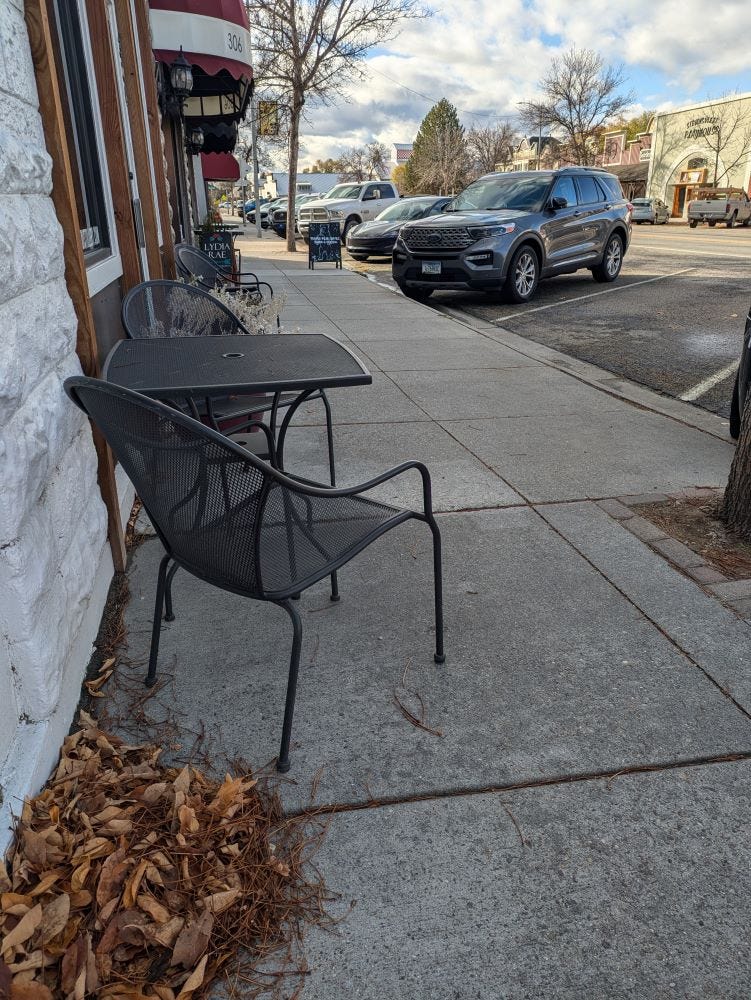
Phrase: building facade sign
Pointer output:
(706, 144)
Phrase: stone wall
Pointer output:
(55, 564)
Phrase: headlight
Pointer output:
(336, 213)
(482, 232)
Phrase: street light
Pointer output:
(194, 140)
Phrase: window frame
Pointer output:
(104, 265)
(580, 180)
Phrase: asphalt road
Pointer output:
(673, 321)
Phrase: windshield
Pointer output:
(345, 191)
(404, 210)
(523, 193)
(641, 201)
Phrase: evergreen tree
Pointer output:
(439, 162)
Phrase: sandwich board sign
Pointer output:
(325, 244)
(219, 247)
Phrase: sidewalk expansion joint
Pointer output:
(607, 775)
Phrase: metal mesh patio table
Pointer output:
(211, 368)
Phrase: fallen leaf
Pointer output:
(195, 979)
(47, 880)
(166, 934)
(112, 876)
(193, 940)
(23, 930)
(218, 902)
(30, 991)
(155, 910)
(133, 883)
(188, 821)
(55, 917)
(182, 781)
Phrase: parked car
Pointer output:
(742, 382)
(378, 238)
(651, 210)
(266, 211)
(249, 206)
(728, 205)
(349, 205)
(279, 215)
(507, 230)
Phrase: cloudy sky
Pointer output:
(487, 55)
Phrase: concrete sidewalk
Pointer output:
(509, 856)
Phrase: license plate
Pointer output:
(431, 267)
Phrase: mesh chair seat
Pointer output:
(235, 521)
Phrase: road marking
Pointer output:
(709, 383)
(592, 295)
(695, 253)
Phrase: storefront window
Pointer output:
(86, 166)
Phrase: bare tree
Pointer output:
(353, 164)
(378, 160)
(722, 127)
(307, 50)
(579, 96)
(490, 146)
(361, 163)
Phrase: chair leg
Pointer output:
(332, 476)
(168, 614)
(440, 656)
(283, 763)
(156, 627)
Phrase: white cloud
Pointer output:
(486, 56)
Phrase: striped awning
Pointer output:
(214, 35)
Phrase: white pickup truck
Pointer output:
(728, 205)
(348, 204)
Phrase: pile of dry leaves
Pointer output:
(129, 879)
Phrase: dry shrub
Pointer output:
(128, 879)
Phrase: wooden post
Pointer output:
(143, 31)
(63, 196)
(134, 96)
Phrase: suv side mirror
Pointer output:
(558, 202)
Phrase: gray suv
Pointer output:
(506, 231)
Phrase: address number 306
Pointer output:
(234, 42)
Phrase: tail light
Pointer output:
(727, 207)
(629, 210)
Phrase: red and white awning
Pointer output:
(214, 34)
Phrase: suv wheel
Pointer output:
(523, 275)
(612, 260)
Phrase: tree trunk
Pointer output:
(294, 152)
(736, 504)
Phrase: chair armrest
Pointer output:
(324, 491)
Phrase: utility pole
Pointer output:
(256, 189)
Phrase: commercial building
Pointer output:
(700, 145)
(105, 105)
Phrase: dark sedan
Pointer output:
(378, 238)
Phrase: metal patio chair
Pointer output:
(237, 523)
(163, 308)
(196, 266)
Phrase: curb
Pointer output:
(734, 594)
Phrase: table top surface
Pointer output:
(206, 366)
